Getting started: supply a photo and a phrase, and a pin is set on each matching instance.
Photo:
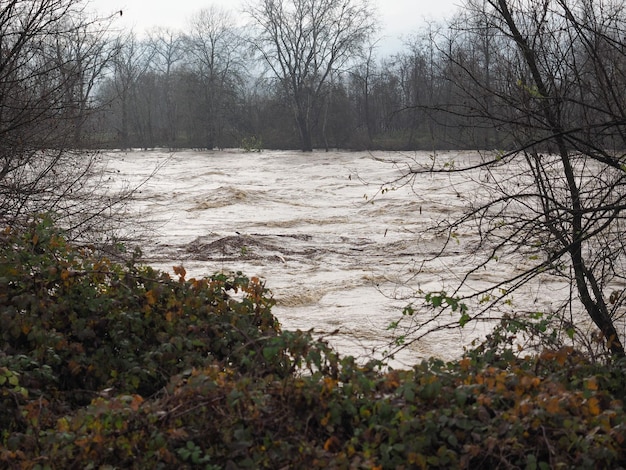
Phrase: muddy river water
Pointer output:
(338, 254)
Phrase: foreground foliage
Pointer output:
(105, 365)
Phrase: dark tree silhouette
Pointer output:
(553, 202)
(304, 42)
(51, 57)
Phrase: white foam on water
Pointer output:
(336, 253)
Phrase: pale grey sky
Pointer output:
(397, 17)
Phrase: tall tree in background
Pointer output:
(304, 42)
(132, 64)
(217, 59)
(167, 53)
(551, 207)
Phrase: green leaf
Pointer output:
(460, 396)
(270, 352)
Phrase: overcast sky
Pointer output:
(397, 17)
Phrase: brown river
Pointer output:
(339, 255)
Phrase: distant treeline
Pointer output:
(215, 85)
(202, 89)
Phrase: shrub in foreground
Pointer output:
(105, 365)
(75, 324)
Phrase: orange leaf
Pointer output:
(332, 444)
(552, 405)
(524, 407)
(151, 297)
(594, 406)
(137, 401)
(561, 357)
(591, 384)
(181, 272)
(74, 367)
(329, 384)
(392, 381)
(177, 433)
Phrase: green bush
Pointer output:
(106, 365)
(77, 323)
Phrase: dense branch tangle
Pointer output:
(306, 42)
(578, 230)
(557, 201)
(51, 58)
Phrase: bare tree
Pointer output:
(217, 58)
(168, 53)
(81, 52)
(132, 63)
(362, 77)
(551, 205)
(44, 98)
(303, 42)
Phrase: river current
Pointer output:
(339, 244)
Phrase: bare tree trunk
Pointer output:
(586, 282)
(304, 43)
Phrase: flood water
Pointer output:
(338, 255)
